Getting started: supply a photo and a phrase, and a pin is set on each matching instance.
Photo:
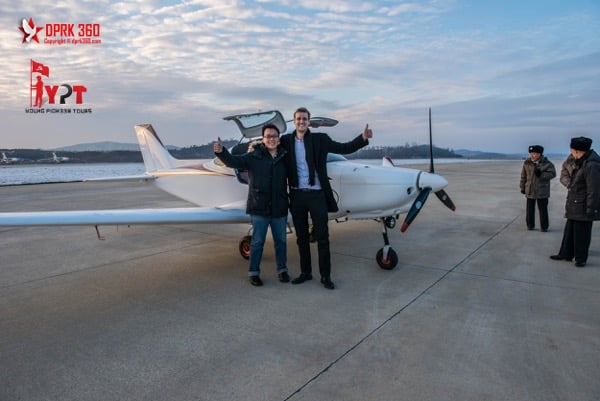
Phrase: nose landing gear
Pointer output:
(386, 257)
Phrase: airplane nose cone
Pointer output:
(434, 181)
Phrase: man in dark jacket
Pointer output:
(536, 174)
(583, 203)
(267, 202)
(310, 190)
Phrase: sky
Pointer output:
(498, 75)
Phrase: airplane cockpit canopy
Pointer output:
(250, 125)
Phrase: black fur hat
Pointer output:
(536, 148)
(581, 143)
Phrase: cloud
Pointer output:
(188, 64)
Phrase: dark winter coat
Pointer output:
(317, 146)
(535, 178)
(267, 187)
(583, 198)
(566, 171)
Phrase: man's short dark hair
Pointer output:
(302, 110)
(267, 126)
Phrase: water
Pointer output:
(19, 174)
(66, 172)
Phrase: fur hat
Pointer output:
(582, 143)
(536, 148)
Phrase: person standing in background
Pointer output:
(536, 174)
(583, 203)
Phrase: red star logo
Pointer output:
(29, 30)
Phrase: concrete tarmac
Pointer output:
(475, 309)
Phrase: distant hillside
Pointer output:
(475, 154)
(402, 152)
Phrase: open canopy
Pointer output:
(250, 125)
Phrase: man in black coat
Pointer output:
(310, 190)
(267, 202)
(583, 203)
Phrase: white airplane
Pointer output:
(220, 192)
(9, 160)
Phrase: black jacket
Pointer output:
(317, 146)
(583, 198)
(267, 188)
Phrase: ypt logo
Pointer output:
(61, 94)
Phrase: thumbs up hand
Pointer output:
(217, 146)
(367, 133)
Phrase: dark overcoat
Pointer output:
(583, 198)
(317, 146)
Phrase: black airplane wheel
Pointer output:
(390, 262)
(245, 246)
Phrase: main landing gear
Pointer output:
(386, 257)
(245, 246)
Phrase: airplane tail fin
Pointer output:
(155, 155)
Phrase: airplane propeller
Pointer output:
(425, 190)
(415, 208)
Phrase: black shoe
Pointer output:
(579, 264)
(327, 283)
(531, 228)
(255, 280)
(544, 230)
(559, 257)
(284, 277)
(302, 278)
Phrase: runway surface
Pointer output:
(475, 309)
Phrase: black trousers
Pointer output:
(530, 214)
(576, 240)
(313, 203)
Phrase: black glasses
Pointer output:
(271, 136)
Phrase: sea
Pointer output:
(24, 174)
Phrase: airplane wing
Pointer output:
(234, 213)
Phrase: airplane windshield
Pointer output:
(334, 157)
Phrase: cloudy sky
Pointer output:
(498, 75)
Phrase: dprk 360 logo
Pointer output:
(47, 97)
(60, 33)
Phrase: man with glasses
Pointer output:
(267, 202)
(310, 191)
